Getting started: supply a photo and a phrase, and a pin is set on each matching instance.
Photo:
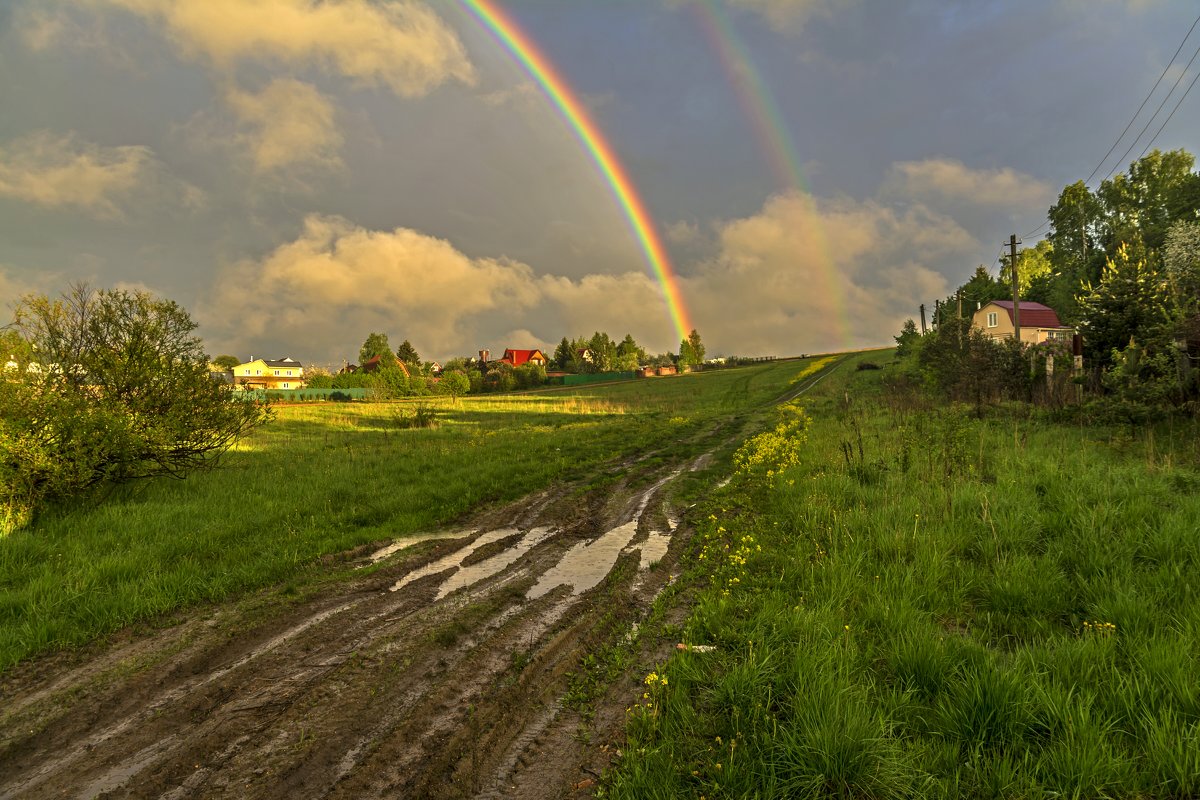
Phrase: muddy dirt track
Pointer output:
(437, 669)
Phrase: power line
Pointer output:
(1045, 225)
(1150, 94)
(1173, 110)
(1150, 121)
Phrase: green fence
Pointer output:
(596, 377)
(305, 395)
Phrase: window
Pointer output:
(285, 384)
(276, 372)
(289, 372)
(991, 319)
(258, 372)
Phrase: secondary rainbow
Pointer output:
(775, 140)
(540, 69)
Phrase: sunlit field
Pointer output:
(933, 605)
(325, 478)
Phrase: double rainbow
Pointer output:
(759, 104)
(539, 68)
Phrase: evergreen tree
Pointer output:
(408, 355)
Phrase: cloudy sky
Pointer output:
(300, 173)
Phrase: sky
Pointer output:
(298, 174)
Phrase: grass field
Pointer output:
(932, 605)
(325, 478)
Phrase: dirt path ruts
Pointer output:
(360, 692)
(373, 687)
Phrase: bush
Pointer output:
(107, 387)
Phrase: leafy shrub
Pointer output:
(107, 387)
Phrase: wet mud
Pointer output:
(437, 669)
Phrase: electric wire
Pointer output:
(1150, 121)
(1145, 100)
(1045, 225)
(1168, 119)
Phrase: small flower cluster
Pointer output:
(654, 679)
(1099, 628)
(774, 451)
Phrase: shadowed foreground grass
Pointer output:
(929, 605)
(325, 478)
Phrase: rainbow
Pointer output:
(552, 84)
(775, 140)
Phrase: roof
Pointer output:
(288, 363)
(1033, 315)
(519, 357)
(372, 364)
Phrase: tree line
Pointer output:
(402, 373)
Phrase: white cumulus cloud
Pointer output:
(289, 123)
(949, 180)
(401, 44)
(56, 170)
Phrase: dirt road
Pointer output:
(438, 669)
(451, 665)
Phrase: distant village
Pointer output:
(401, 371)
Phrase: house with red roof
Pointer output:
(1039, 323)
(515, 358)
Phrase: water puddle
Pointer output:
(478, 571)
(409, 541)
(653, 549)
(586, 564)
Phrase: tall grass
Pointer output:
(934, 605)
(325, 478)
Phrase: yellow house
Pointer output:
(260, 373)
(1039, 323)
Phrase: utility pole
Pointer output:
(1012, 249)
(922, 319)
(958, 321)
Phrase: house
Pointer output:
(374, 363)
(515, 358)
(261, 373)
(645, 372)
(666, 370)
(1039, 323)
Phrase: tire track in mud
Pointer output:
(439, 673)
(357, 695)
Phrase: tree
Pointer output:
(1032, 264)
(564, 356)
(226, 362)
(108, 387)
(408, 354)
(375, 345)
(1181, 263)
(455, 383)
(604, 352)
(629, 347)
(318, 378)
(1128, 304)
(691, 351)
(908, 339)
(1075, 253)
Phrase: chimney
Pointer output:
(483, 355)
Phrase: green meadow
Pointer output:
(324, 478)
(931, 605)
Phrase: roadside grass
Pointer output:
(934, 605)
(325, 478)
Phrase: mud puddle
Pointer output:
(401, 688)
(409, 541)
